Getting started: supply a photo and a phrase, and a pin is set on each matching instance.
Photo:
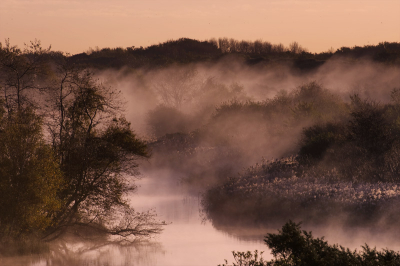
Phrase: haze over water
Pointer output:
(178, 106)
(188, 240)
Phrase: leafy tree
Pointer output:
(369, 127)
(295, 247)
(80, 179)
(317, 139)
(247, 259)
(363, 147)
(97, 150)
(30, 177)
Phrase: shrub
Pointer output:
(293, 246)
(361, 148)
(166, 120)
(369, 127)
(317, 139)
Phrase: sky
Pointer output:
(75, 26)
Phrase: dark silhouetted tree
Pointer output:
(81, 178)
(97, 151)
(30, 177)
(22, 73)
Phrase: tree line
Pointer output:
(186, 50)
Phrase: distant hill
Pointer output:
(184, 50)
(180, 52)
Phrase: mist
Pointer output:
(190, 99)
(239, 144)
(202, 87)
(204, 124)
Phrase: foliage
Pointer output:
(359, 148)
(317, 139)
(80, 179)
(247, 259)
(23, 72)
(30, 176)
(258, 53)
(96, 150)
(347, 165)
(240, 131)
(177, 87)
(266, 128)
(293, 246)
(370, 128)
(166, 120)
(301, 192)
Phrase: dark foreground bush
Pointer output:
(293, 246)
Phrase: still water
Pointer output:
(187, 238)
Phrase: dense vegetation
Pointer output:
(339, 154)
(65, 152)
(66, 149)
(185, 51)
(345, 167)
(293, 246)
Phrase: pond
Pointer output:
(188, 239)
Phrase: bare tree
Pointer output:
(22, 72)
(296, 48)
(177, 86)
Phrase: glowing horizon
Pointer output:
(75, 26)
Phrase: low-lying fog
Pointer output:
(214, 143)
(190, 100)
(198, 89)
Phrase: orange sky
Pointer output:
(73, 26)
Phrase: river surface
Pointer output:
(188, 239)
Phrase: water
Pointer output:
(187, 239)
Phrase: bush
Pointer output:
(293, 246)
(166, 120)
(317, 139)
(361, 148)
(275, 191)
(369, 127)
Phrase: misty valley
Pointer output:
(220, 152)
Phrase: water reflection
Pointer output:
(186, 240)
(90, 254)
(113, 255)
